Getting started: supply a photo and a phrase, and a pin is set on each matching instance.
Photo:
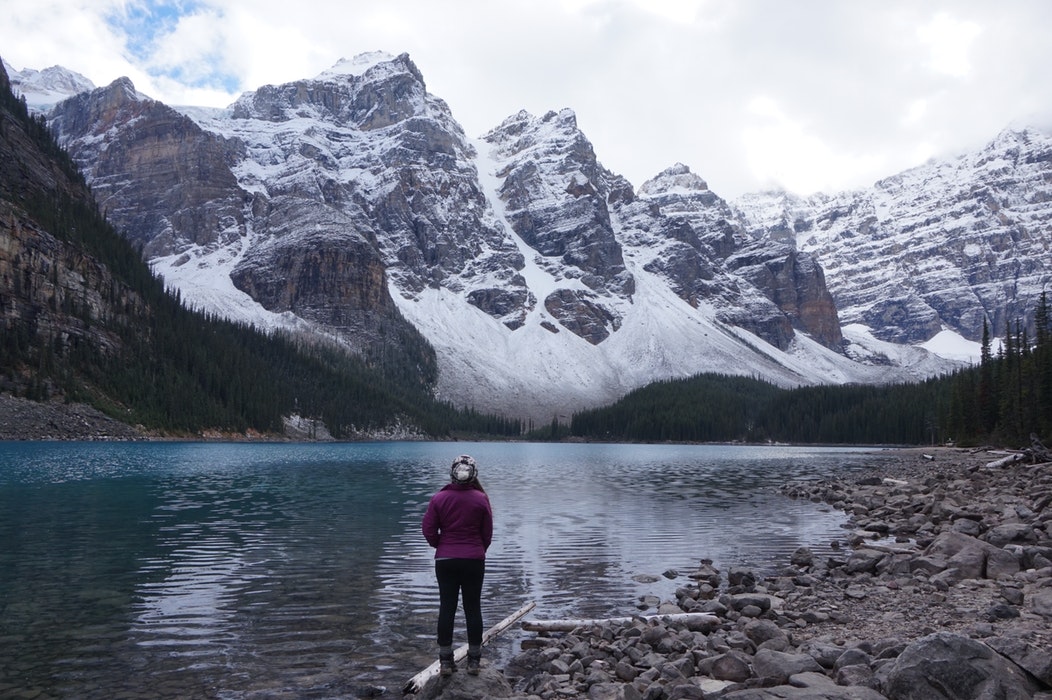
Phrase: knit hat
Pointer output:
(463, 470)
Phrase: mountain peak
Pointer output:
(375, 65)
(44, 89)
(356, 66)
(676, 178)
(564, 117)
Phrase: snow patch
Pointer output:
(356, 66)
(954, 346)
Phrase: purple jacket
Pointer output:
(459, 522)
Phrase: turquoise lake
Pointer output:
(223, 570)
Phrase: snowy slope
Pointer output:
(43, 89)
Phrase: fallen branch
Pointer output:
(571, 625)
(417, 682)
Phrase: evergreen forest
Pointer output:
(1003, 400)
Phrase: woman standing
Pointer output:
(459, 525)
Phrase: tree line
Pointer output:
(1003, 400)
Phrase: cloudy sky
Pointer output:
(803, 94)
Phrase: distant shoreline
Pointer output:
(25, 420)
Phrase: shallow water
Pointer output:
(181, 570)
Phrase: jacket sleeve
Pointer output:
(430, 524)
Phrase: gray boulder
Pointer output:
(1041, 602)
(1035, 660)
(612, 691)
(780, 665)
(974, 558)
(732, 666)
(1007, 533)
(951, 667)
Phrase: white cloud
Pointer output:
(783, 152)
(861, 88)
(950, 40)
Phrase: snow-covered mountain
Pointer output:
(936, 249)
(353, 206)
(43, 89)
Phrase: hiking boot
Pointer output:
(474, 659)
(446, 665)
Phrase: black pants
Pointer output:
(458, 577)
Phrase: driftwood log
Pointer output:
(417, 682)
(1037, 453)
(1005, 461)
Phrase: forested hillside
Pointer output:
(1004, 400)
(83, 319)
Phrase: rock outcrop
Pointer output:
(297, 244)
(164, 182)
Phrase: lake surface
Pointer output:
(214, 570)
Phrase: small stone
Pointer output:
(803, 556)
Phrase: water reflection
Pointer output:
(244, 571)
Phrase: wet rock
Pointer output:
(739, 577)
(707, 573)
(803, 557)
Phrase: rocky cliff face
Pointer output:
(946, 245)
(54, 296)
(273, 217)
(350, 203)
(758, 282)
(160, 178)
(556, 197)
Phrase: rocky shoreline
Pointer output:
(942, 588)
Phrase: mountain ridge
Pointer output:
(545, 282)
